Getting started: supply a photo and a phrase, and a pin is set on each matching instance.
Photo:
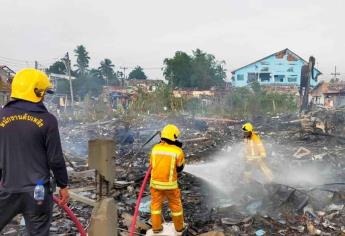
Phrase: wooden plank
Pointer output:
(82, 199)
(83, 189)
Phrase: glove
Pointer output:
(64, 196)
(179, 169)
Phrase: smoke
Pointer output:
(225, 171)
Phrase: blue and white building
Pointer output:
(281, 68)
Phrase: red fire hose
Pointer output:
(72, 217)
(136, 212)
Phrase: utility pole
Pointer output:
(124, 75)
(67, 63)
(307, 74)
(335, 73)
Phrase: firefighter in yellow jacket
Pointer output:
(167, 159)
(255, 154)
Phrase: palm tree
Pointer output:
(82, 59)
(107, 70)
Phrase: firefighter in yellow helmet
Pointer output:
(30, 151)
(255, 154)
(167, 159)
(30, 85)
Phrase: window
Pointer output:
(317, 100)
(279, 78)
(265, 77)
(252, 77)
(240, 77)
(292, 79)
(290, 69)
(264, 69)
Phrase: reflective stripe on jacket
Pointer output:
(254, 148)
(164, 159)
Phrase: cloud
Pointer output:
(136, 32)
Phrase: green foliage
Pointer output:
(62, 86)
(159, 101)
(193, 105)
(82, 59)
(137, 73)
(200, 70)
(57, 68)
(88, 84)
(240, 103)
(107, 72)
(207, 72)
(247, 102)
(178, 70)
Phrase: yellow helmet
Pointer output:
(30, 85)
(248, 127)
(170, 132)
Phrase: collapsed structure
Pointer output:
(304, 152)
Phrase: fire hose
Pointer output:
(132, 229)
(136, 211)
(72, 217)
(142, 189)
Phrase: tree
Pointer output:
(137, 73)
(107, 71)
(207, 72)
(178, 70)
(200, 70)
(82, 59)
(57, 68)
(90, 83)
(61, 85)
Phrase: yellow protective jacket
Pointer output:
(164, 159)
(255, 150)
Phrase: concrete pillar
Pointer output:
(101, 153)
(104, 219)
(104, 215)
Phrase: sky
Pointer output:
(145, 32)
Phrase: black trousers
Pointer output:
(37, 217)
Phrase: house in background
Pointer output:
(281, 69)
(329, 94)
(146, 85)
(6, 75)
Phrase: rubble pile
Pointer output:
(306, 197)
(272, 209)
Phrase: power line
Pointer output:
(16, 63)
(144, 68)
(20, 61)
(12, 59)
